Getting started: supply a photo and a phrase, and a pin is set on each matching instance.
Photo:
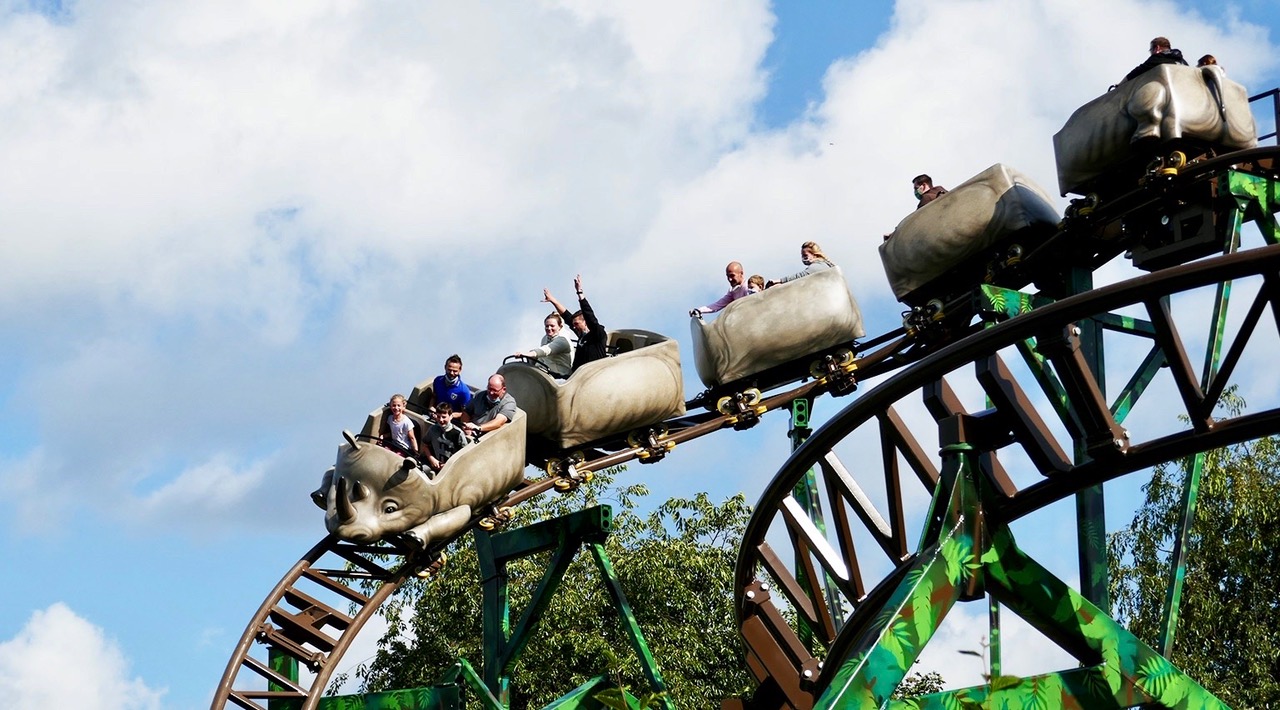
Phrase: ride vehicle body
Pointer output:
(642, 384)
(372, 493)
(1170, 103)
(778, 326)
(950, 244)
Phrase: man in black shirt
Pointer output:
(593, 339)
(1161, 53)
(925, 190)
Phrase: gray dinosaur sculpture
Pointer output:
(616, 394)
(1167, 102)
(784, 323)
(371, 493)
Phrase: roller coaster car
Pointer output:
(778, 327)
(641, 385)
(974, 234)
(372, 493)
(1105, 145)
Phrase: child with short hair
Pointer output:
(443, 438)
(755, 284)
(397, 427)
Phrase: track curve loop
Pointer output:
(305, 620)
(1079, 443)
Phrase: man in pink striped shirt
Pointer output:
(737, 289)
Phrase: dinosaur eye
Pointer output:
(389, 508)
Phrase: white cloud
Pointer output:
(146, 142)
(948, 90)
(225, 228)
(234, 232)
(59, 659)
(214, 489)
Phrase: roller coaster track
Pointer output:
(302, 621)
(300, 618)
(829, 673)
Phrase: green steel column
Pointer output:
(496, 616)
(806, 491)
(947, 566)
(993, 643)
(1261, 191)
(1120, 671)
(806, 494)
(463, 673)
(563, 537)
(1090, 502)
(287, 666)
(648, 665)
(1191, 484)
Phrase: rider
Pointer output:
(925, 191)
(814, 261)
(737, 289)
(593, 339)
(397, 429)
(449, 387)
(1161, 53)
(492, 411)
(443, 438)
(555, 352)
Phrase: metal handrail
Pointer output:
(1275, 113)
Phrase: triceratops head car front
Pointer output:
(371, 492)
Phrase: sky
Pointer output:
(231, 230)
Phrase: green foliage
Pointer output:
(919, 684)
(1228, 634)
(675, 565)
(621, 699)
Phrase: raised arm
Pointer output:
(548, 298)
(588, 313)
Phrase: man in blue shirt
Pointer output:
(450, 388)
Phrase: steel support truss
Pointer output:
(1047, 340)
(963, 556)
(564, 537)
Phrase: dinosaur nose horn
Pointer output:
(359, 491)
(346, 513)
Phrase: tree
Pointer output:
(1228, 634)
(676, 566)
(918, 684)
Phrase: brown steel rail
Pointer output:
(1012, 421)
(297, 619)
(297, 623)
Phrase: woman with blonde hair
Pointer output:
(555, 352)
(814, 261)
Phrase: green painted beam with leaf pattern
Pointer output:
(959, 557)
(1258, 198)
(945, 567)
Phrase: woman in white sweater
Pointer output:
(556, 351)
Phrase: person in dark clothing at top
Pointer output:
(593, 339)
(925, 190)
(1161, 53)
